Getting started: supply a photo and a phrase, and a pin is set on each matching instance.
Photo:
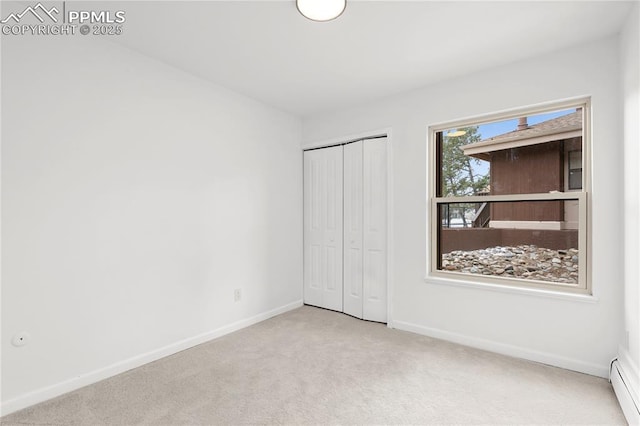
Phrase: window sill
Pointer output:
(524, 291)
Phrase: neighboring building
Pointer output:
(540, 158)
(544, 157)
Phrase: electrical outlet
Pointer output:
(237, 295)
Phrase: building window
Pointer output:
(508, 199)
(575, 169)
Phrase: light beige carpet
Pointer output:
(312, 366)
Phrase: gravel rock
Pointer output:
(524, 261)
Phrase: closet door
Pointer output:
(353, 239)
(365, 229)
(323, 228)
(374, 290)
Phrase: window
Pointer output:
(574, 169)
(508, 198)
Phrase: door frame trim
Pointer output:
(343, 140)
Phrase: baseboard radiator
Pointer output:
(626, 397)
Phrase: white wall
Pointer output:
(629, 352)
(569, 333)
(135, 199)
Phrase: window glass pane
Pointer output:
(575, 179)
(575, 169)
(575, 160)
(534, 240)
(462, 174)
(518, 156)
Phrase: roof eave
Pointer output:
(515, 143)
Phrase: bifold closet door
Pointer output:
(374, 223)
(353, 237)
(365, 229)
(323, 245)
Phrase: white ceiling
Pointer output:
(266, 50)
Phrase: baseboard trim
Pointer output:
(506, 349)
(625, 381)
(46, 393)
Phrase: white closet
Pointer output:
(345, 224)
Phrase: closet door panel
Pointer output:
(313, 250)
(323, 249)
(353, 255)
(375, 230)
(332, 290)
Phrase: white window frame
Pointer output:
(583, 286)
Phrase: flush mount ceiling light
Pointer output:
(453, 134)
(321, 10)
